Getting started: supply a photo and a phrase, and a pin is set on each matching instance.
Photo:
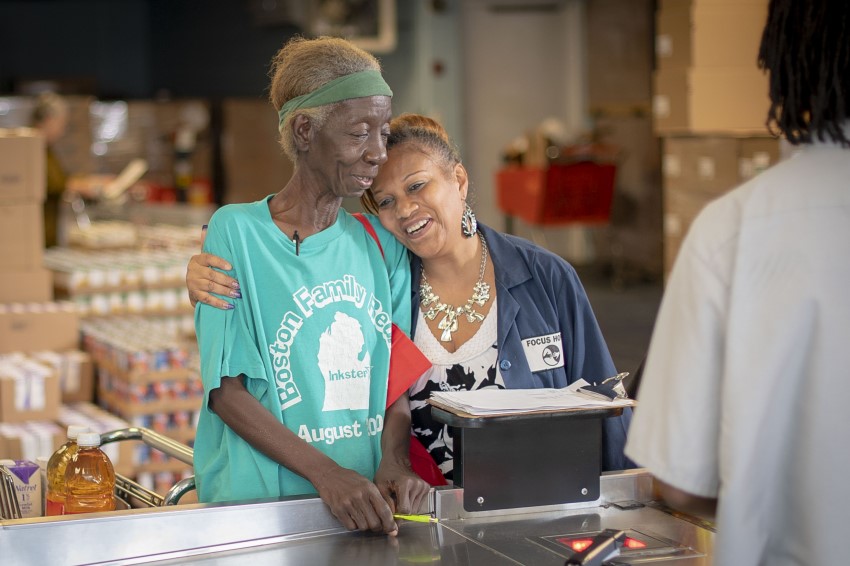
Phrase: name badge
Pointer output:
(544, 352)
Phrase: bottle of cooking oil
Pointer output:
(89, 478)
(55, 498)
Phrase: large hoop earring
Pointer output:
(468, 222)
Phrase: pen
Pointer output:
(416, 518)
(618, 377)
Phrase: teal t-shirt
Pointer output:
(312, 336)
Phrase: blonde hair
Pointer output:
(47, 105)
(303, 65)
(428, 135)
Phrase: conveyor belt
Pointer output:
(302, 531)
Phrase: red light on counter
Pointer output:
(576, 544)
(580, 544)
(633, 543)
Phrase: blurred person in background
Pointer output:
(742, 411)
(50, 117)
(479, 296)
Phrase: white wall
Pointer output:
(520, 67)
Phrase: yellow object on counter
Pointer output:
(416, 518)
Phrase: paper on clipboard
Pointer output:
(495, 402)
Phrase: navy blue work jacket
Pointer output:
(540, 294)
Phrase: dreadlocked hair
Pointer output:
(805, 48)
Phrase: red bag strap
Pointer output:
(369, 228)
(407, 363)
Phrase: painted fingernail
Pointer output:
(204, 227)
(236, 294)
(235, 284)
(230, 307)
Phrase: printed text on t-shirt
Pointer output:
(307, 301)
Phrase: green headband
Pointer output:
(355, 85)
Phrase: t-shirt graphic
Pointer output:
(344, 365)
(311, 338)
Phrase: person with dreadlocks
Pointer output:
(742, 411)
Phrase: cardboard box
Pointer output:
(22, 236)
(26, 286)
(669, 4)
(30, 440)
(699, 34)
(83, 389)
(50, 329)
(23, 173)
(714, 165)
(74, 148)
(681, 207)
(619, 56)
(12, 412)
(723, 101)
(707, 164)
(697, 170)
(75, 370)
(671, 251)
(634, 237)
(254, 163)
(757, 154)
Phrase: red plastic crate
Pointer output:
(575, 193)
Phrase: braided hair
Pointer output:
(805, 48)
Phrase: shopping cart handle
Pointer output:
(153, 439)
(178, 490)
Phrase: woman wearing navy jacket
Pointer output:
(547, 334)
(543, 334)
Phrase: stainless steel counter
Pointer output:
(302, 531)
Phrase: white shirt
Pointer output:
(745, 391)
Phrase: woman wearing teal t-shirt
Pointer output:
(490, 310)
(296, 380)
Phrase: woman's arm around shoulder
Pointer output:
(204, 272)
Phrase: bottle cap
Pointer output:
(88, 439)
(75, 430)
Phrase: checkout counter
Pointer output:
(542, 513)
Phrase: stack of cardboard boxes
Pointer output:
(46, 382)
(710, 105)
(22, 193)
(148, 374)
(29, 319)
(619, 94)
(39, 365)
